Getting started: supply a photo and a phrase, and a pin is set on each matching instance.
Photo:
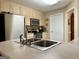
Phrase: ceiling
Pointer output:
(41, 7)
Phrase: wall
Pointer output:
(77, 12)
(67, 9)
(74, 4)
(61, 10)
(53, 12)
(19, 9)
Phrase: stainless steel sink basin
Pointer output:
(44, 44)
(40, 44)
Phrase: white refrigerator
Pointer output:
(14, 26)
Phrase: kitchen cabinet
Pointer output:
(4, 5)
(30, 35)
(14, 8)
(19, 9)
(9, 6)
(25, 12)
(45, 35)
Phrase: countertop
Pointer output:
(63, 51)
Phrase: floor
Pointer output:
(75, 42)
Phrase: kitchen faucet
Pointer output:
(22, 39)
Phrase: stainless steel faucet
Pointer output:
(24, 41)
(21, 39)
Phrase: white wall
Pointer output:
(76, 6)
(67, 9)
(47, 15)
(73, 4)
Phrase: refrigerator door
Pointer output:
(14, 26)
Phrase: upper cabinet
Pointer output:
(9, 6)
(24, 12)
(4, 5)
(14, 8)
(19, 9)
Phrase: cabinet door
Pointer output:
(23, 9)
(25, 12)
(14, 8)
(45, 35)
(4, 5)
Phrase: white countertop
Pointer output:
(62, 51)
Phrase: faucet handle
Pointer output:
(22, 39)
(21, 36)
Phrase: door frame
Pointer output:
(66, 24)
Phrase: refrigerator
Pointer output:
(11, 26)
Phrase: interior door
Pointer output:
(56, 27)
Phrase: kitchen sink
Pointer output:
(45, 44)
(40, 44)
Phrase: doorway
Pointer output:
(56, 27)
(71, 25)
